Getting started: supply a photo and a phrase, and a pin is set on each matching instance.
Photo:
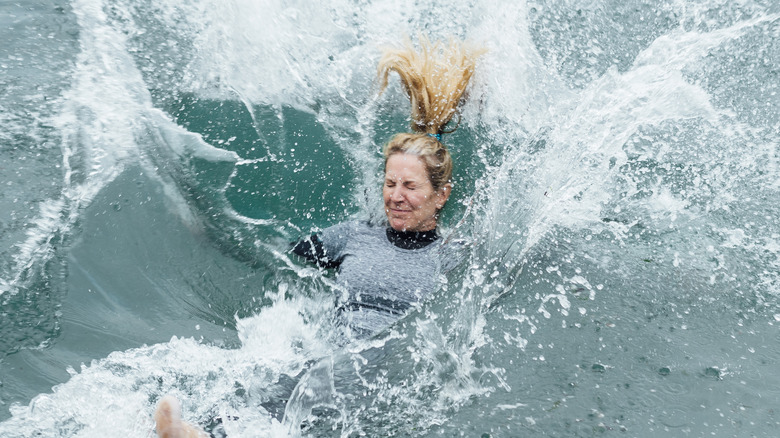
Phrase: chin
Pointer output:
(400, 225)
(396, 223)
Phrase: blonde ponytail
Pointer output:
(435, 78)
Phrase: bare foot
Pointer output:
(169, 423)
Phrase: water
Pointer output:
(616, 169)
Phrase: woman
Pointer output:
(385, 270)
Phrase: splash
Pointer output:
(622, 252)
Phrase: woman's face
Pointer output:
(411, 203)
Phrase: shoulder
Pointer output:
(456, 244)
(346, 229)
(452, 252)
(354, 231)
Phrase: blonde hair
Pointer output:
(435, 78)
(437, 159)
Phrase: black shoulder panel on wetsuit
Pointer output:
(313, 251)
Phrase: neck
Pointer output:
(411, 239)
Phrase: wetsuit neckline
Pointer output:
(411, 239)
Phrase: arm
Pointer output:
(313, 250)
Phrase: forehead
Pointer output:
(405, 167)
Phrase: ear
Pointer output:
(442, 195)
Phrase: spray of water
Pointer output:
(614, 192)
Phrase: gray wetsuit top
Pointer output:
(381, 279)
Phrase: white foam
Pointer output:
(116, 396)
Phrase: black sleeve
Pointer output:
(314, 252)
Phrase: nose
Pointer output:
(397, 194)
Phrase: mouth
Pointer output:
(397, 211)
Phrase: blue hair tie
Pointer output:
(436, 136)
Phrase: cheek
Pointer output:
(422, 201)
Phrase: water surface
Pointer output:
(616, 172)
